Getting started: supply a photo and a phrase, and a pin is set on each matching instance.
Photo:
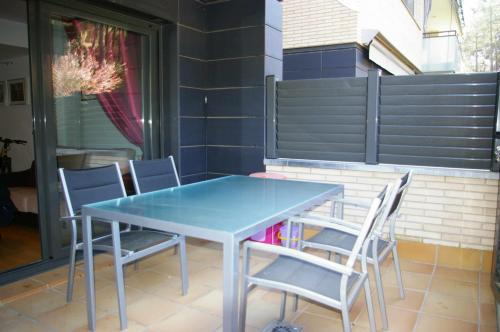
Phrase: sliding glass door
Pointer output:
(99, 97)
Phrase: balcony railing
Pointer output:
(442, 52)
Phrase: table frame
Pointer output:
(230, 242)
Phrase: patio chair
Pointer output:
(337, 240)
(86, 186)
(151, 175)
(330, 283)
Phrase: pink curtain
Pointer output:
(123, 105)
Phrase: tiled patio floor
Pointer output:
(438, 299)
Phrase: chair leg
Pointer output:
(369, 306)
(72, 262)
(397, 267)
(380, 293)
(184, 268)
(71, 271)
(346, 321)
(282, 306)
(120, 285)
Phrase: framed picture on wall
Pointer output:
(17, 91)
(2, 92)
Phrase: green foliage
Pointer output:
(481, 45)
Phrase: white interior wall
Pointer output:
(16, 120)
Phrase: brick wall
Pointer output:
(446, 210)
(318, 22)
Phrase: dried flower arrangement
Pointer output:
(80, 70)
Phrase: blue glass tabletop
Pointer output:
(228, 204)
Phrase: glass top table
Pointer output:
(226, 210)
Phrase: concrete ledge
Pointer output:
(388, 168)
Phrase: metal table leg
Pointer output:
(231, 277)
(89, 269)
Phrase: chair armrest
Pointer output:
(322, 262)
(359, 203)
(333, 220)
(69, 218)
(337, 224)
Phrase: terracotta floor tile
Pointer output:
(175, 293)
(416, 267)
(57, 276)
(173, 267)
(489, 328)
(488, 314)
(106, 298)
(24, 325)
(487, 261)
(415, 281)
(151, 309)
(67, 317)
(19, 289)
(260, 313)
(8, 315)
(38, 303)
(457, 274)
(485, 278)
(399, 319)
(210, 276)
(311, 322)
(145, 280)
(428, 323)
(111, 323)
(79, 291)
(188, 320)
(451, 306)
(455, 288)
(486, 294)
(413, 299)
(210, 303)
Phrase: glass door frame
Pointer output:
(44, 121)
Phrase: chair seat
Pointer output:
(339, 239)
(292, 271)
(137, 240)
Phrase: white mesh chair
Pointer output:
(339, 241)
(329, 283)
(86, 186)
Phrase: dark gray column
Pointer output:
(372, 116)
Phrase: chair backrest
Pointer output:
(91, 185)
(378, 209)
(151, 175)
(403, 188)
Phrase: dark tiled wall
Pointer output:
(225, 58)
(326, 62)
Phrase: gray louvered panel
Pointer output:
(323, 83)
(323, 110)
(418, 120)
(323, 92)
(322, 119)
(318, 146)
(440, 89)
(467, 142)
(320, 128)
(457, 110)
(440, 79)
(322, 101)
(404, 100)
(438, 120)
(322, 155)
(435, 131)
(321, 137)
